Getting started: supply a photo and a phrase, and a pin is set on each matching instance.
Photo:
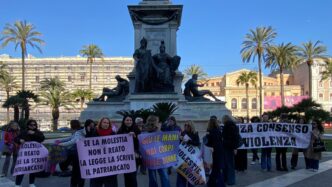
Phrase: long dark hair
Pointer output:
(319, 126)
(123, 121)
(32, 121)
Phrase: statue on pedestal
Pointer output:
(117, 93)
(143, 60)
(192, 93)
(164, 67)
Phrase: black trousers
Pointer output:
(19, 179)
(281, 155)
(109, 181)
(130, 179)
(241, 160)
(76, 179)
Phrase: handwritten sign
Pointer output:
(105, 156)
(190, 164)
(159, 149)
(32, 158)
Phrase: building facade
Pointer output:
(321, 90)
(235, 95)
(73, 71)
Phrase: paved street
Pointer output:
(254, 177)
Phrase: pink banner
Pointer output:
(273, 102)
(32, 158)
(105, 156)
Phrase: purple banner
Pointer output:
(32, 158)
(106, 155)
(159, 149)
(273, 102)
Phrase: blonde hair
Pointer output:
(101, 120)
(191, 125)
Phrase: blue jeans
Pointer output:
(313, 164)
(163, 177)
(229, 171)
(182, 182)
(266, 158)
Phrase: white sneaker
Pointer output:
(32, 185)
(17, 186)
(315, 170)
(253, 163)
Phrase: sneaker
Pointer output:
(32, 185)
(315, 170)
(253, 163)
(17, 186)
(2, 175)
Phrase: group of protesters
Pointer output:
(222, 139)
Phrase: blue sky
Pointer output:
(210, 35)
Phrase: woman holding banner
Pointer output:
(104, 128)
(32, 134)
(153, 125)
(10, 147)
(190, 137)
(128, 127)
(214, 139)
(314, 157)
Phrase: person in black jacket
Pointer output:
(128, 127)
(31, 134)
(214, 140)
(190, 137)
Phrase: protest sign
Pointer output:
(190, 164)
(32, 158)
(56, 153)
(106, 155)
(271, 134)
(159, 149)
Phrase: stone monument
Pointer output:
(156, 23)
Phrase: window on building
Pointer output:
(330, 83)
(234, 103)
(212, 84)
(82, 78)
(320, 84)
(254, 103)
(265, 94)
(82, 68)
(37, 78)
(320, 96)
(264, 83)
(330, 96)
(218, 83)
(69, 78)
(331, 110)
(244, 103)
(287, 82)
(55, 68)
(57, 77)
(36, 69)
(69, 68)
(272, 94)
(11, 69)
(95, 78)
(108, 67)
(307, 93)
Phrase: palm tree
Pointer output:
(82, 95)
(91, 52)
(55, 96)
(247, 78)
(3, 71)
(194, 69)
(8, 83)
(15, 102)
(27, 96)
(22, 34)
(310, 51)
(255, 44)
(327, 73)
(280, 58)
